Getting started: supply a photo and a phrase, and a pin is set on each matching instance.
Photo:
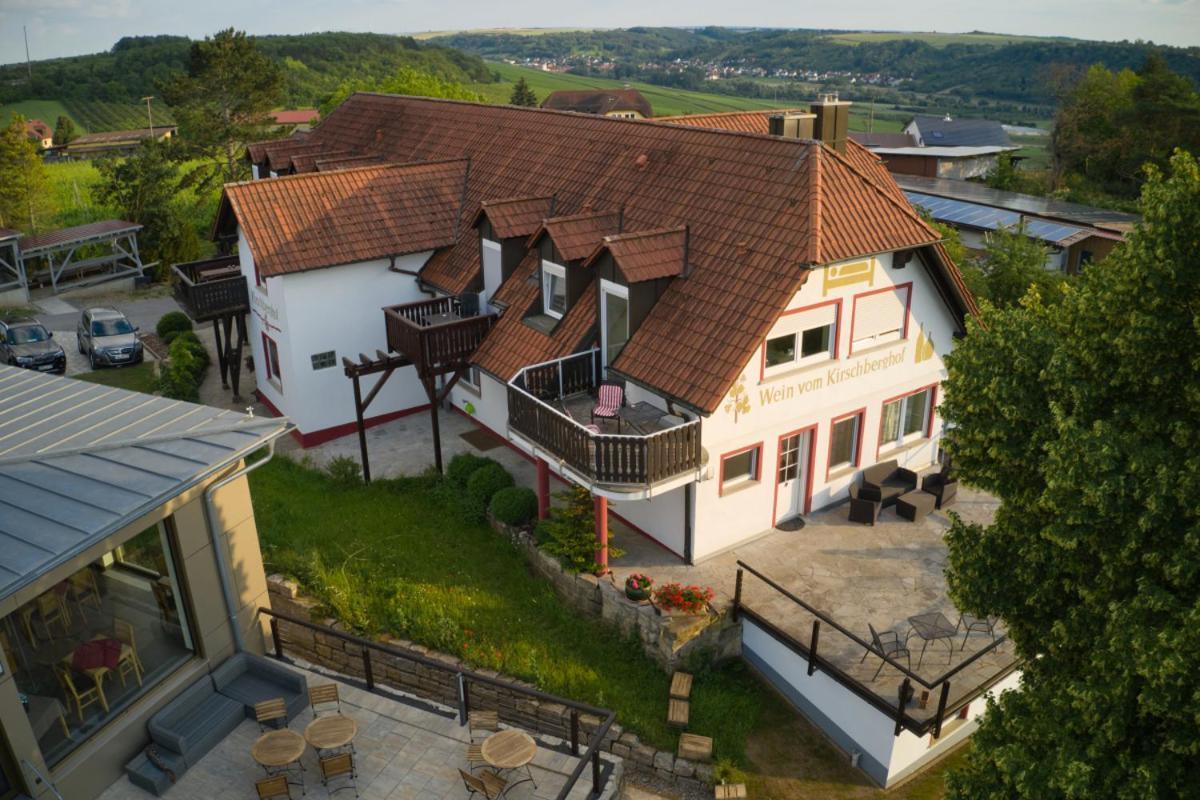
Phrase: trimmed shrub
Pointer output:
(570, 532)
(190, 342)
(180, 376)
(485, 482)
(514, 505)
(463, 466)
(172, 324)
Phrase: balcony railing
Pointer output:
(538, 399)
(212, 288)
(437, 335)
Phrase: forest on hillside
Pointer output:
(1016, 70)
(314, 65)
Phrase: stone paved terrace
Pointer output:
(407, 749)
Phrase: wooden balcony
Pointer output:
(211, 289)
(437, 336)
(548, 407)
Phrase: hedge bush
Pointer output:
(171, 325)
(485, 482)
(514, 505)
(464, 465)
(180, 376)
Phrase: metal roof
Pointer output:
(944, 152)
(79, 461)
(974, 215)
(79, 234)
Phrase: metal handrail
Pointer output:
(463, 676)
(44, 780)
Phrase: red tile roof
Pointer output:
(38, 128)
(739, 121)
(296, 116)
(761, 210)
(307, 162)
(327, 163)
(279, 156)
(599, 101)
(519, 216)
(512, 344)
(646, 255)
(323, 219)
(575, 236)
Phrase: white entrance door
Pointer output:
(792, 476)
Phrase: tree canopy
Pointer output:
(1084, 419)
(22, 179)
(64, 130)
(522, 95)
(406, 81)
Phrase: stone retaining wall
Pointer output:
(671, 641)
(440, 686)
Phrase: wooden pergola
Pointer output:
(216, 290)
(76, 256)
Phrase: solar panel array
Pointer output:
(989, 218)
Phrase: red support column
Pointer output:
(600, 512)
(543, 488)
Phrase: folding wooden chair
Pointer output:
(80, 699)
(339, 766)
(485, 722)
(269, 788)
(269, 711)
(488, 784)
(83, 589)
(50, 608)
(323, 696)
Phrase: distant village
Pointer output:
(714, 70)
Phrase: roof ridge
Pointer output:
(518, 199)
(625, 236)
(905, 207)
(729, 113)
(386, 165)
(815, 206)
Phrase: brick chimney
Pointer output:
(791, 125)
(832, 123)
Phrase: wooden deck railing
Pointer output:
(211, 288)
(435, 347)
(618, 459)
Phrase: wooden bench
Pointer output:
(729, 791)
(677, 713)
(681, 685)
(694, 747)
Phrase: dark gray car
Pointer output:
(26, 343)
(107, 338)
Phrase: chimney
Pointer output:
(832, 124)
(791, 125)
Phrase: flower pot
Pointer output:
(637, 595)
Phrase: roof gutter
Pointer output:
(223, 574)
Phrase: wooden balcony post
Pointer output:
(600, 512)
(543, 488)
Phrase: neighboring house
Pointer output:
(40, 132)
(946, 131)
(301, 119)
(127, 515)
(623, 103)
(103, 143)
(1074, 234)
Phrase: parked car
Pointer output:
(26, 343)
(107, 338)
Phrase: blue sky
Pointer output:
(69, 27)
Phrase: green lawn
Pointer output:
(140, 378)
(666, 101)
(402, 558)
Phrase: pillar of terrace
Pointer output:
(543, 488)
(600, 513)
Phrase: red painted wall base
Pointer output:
(312, 438)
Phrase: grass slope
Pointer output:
(509, 31)
(666, 101)
(48, 111)
(400, 557)
(937, 39)
(88, 115)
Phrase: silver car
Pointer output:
(107, 338)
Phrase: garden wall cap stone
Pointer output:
(664, 760)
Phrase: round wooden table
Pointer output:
(509, 749)
(331, 732)
(276, 749)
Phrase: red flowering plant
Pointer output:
(689, 599)
(637, 586)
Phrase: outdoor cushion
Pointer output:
(250, 679)
(195, 721)
(890, 479)
(610, 398)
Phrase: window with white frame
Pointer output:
(843, 441)
(905, 418)
(740, 468)
(812, 340)
(614, 319)
(879, 317)
(554, 289)
(470, 378)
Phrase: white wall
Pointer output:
(778, 404)
(338, 309)
(660, 517)
(489, 405)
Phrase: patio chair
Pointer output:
(941, 486)
(269, 711)
(50, 608)
(889, 644)
(269, 788)
(84, 590)
(339, 766)
(609, 399)
(81, 700)
(969, 623)
(865, 505)
(488, 784)
(890, 479)
(123, 633)
(486, 722)
(475, 758)
(323, 696)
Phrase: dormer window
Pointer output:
(554, 289)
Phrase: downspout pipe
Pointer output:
(223, 574)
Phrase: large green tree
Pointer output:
(223, 102)
(407, 81)
(1010, 264)
(522, 95)
(1084, 419)
(145, 188)
(23, 198)
(64, 130)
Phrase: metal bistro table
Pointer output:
(510, 750)
(277, 751)
(933, 627)
(331, 732)
(640, 416)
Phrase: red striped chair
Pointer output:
(609, 401)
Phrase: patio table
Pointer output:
(331, 732)
(641, 414)
(277, 749)
(510, 750)
(438, 319)
(933, 627)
